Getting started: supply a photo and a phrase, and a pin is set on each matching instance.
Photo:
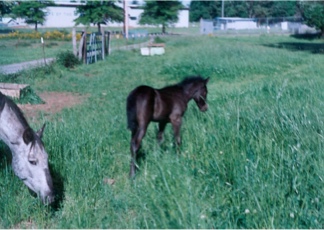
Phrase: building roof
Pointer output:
(234, 19)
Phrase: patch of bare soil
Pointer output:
(29, 224)
(54, 103)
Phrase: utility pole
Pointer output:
(125, 19)
(222, 8)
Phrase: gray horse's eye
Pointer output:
(33, 162)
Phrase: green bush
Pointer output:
(158, 40)
(28, 96)
(67, 59)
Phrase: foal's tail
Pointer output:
(131, 112)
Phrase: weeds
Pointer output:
(67, 59)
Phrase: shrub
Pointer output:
(67, 59)
(158, 40)
(49, 35)
(54, 35)
(28, 96)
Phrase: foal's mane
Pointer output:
(189, 80)
(5, 100)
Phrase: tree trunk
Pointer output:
(163, 28)
(99, 28)
(35, 26)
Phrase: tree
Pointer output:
(284, 9)
(258, 9)
(99, 12)
(32, 11)
(236, 9)
(160, 13)
(204, 9)
(5, 7)
(313, 14)
(244, 9)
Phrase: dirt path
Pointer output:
(54, 103)
(14, 68)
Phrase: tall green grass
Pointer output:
(253, 160)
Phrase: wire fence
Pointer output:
(278, 25)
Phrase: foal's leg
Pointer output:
(176, 124)
(133, 154)
(137, 137)
(162, 125)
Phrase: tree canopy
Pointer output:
(32, 11)
(5, 7)
(245, 9)
(313, 14)
(99, 12)
(204, 9)
(160, 13)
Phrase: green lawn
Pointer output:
(253, 160)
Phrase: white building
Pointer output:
(63, 15)
(60, 16)
(235, 23)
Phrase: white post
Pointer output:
(125, 19)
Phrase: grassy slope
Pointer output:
(254, 160)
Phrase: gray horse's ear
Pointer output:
(40, 132)
(28, 136)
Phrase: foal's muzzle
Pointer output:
(204, 108)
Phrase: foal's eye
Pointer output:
(33, 162)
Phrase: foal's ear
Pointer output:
(40, 132)
(206, 80)
(28, 136)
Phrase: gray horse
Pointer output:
(29, 158)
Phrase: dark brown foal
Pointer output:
(166, 105)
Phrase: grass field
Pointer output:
(253, 160)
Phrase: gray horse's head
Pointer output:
(30, 164)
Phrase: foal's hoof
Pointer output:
(160, 142)
(132, 175)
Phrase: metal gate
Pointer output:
(94, 48)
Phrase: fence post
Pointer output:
(94, 45)
(84, 54)
(81, 44)
(109, 42)
(74, 42)
(103, 44)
